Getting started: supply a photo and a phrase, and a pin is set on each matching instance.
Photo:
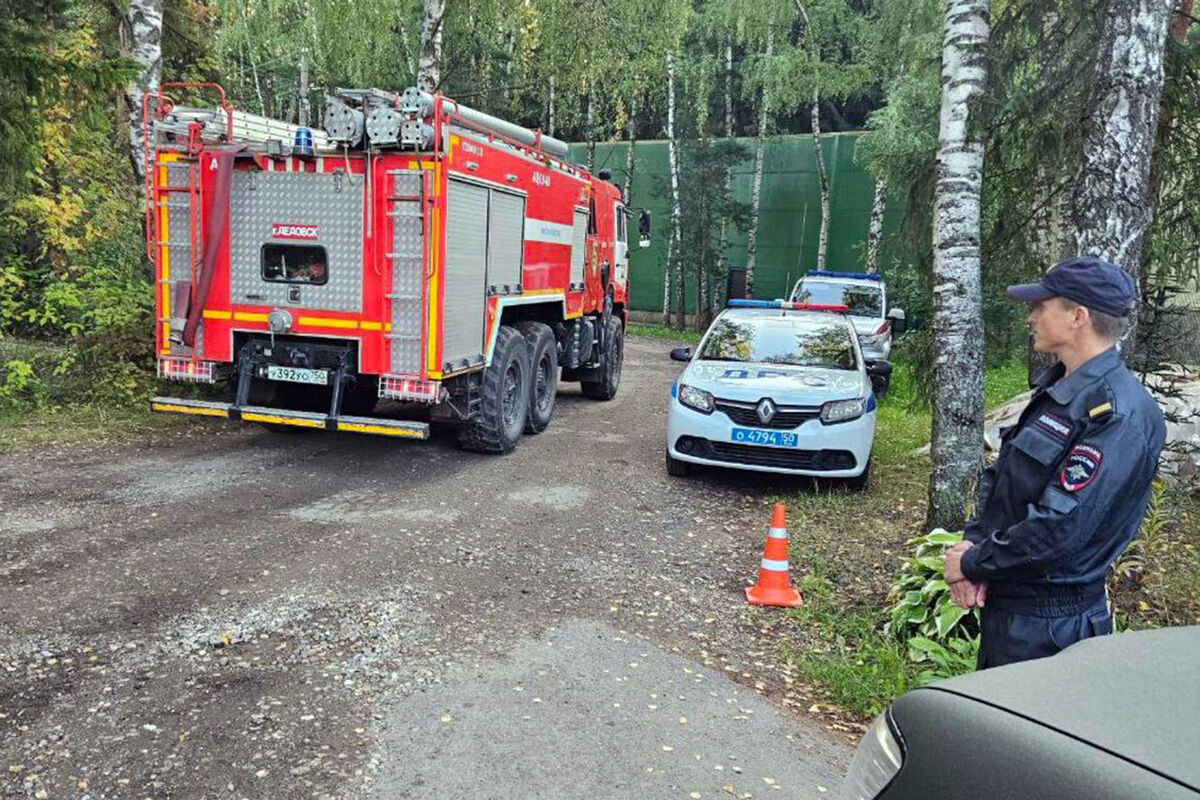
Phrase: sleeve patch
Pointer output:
(1081, 466)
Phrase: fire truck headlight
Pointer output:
(695, 398)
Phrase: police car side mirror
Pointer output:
(681, 354)
(880, 369)
(899, 321)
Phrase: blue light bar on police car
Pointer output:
(825, 273)
(787, 305)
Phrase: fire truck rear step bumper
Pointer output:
(285, 416)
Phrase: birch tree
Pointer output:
(429, 62)
(1112, 205)
(875, 229)
(822, 180)
(141, 42)
(675, 262)
(723, 246)
(764, 121)
(957, 431)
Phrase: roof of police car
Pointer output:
(801, 315)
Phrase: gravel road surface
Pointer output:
(221, 611)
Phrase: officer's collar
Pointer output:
(1063, 390)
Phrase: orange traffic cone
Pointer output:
(773, 587)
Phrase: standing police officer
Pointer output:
(1069, 488)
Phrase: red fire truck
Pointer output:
(417, 262)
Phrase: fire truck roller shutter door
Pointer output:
(464, 273)
(506, 232)
(578, 248)
(302, 209)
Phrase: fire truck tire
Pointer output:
(610, 369)
(543, 374)
(504, 397)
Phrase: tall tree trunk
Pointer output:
(1112, 205)
(819, 154)
(957, 431)
(141, 42)
(630, 162)
(666, 306)
(591, 124)
(875, 229)
(764, 119)
(429, 63)
(723, 243)
(675, 264)
(550, 107)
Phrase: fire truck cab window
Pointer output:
(295, 263)
(620, 224)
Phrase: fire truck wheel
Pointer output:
(504, 397)
(610, 370)
(543, 376)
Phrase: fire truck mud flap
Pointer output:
(300, 419)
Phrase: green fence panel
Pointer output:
(789, 217)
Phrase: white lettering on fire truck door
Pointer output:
(291, 230)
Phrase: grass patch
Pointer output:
(1001, 384)
(76, 424)
(654, 331)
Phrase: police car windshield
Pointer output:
(779, 340)
(863, 301)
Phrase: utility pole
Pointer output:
(303, 87)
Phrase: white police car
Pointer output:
(865, 296)
(775, 386)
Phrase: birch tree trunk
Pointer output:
(675, 263)
(1112, 206)
(764, 119)
(957, 431)
(666, 306)
(550, 107)
(723, 242)
(429, 63)
(875, 229)
(630, 162)
(591, 125)
(141, 42)
(819, 154)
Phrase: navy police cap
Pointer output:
(1088, 281)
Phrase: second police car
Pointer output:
(775, 386)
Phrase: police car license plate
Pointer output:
(767, 438)
(320, 377)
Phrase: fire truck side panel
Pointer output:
(464, 275)
(506, 238)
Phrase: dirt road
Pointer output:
(225, 611)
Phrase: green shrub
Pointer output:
(922, 615)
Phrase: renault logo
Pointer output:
(765, 410)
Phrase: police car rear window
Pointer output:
(863, 301)
(779, 340)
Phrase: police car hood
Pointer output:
(786, 385)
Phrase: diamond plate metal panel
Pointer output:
(506, 239)
(331, 202)
(407, 274)
(578, 247)
(465, 270)
(177, 206)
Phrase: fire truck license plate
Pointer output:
(298, 375)
(768, 438)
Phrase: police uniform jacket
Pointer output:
(1070, 485)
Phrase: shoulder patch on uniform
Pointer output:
(1081, 466)
(1056, 426)
(1098, 405)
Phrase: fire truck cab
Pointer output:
(417, 262)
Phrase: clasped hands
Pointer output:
(963, 592)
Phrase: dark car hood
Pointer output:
(1136, 695)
